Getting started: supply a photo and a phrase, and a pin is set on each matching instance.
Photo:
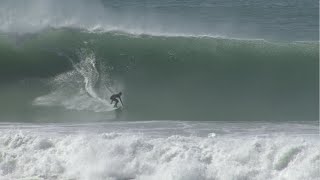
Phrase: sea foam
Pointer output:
(139, 156)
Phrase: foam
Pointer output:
(93, 17)
(76, 89)
(26, 154)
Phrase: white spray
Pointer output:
(76, 89)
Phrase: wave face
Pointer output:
(203, 78)
(199, 152)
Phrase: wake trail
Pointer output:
(77, 89)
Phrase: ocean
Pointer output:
(211, 89)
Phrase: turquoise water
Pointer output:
(66, 71)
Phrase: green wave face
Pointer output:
(184, 78)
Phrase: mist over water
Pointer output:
(272, 20)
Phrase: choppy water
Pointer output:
(160, 150)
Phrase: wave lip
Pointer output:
(166, 18)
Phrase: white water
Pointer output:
(80, 88)
(271, 20)
(34, 15)
(160, 150)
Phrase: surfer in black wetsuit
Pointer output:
(115, 98)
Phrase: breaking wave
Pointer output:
(162, 77)
(116, 155)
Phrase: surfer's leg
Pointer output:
(117, 101)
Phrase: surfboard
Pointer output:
(119, 108)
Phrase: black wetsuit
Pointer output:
(114, 98)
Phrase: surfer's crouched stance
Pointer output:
(115, 98)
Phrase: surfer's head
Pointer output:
(120, 93)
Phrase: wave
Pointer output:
(166, 77)
(93, 16)
(76, 89)
(117, 155)
(166, 18)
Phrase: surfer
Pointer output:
(115, 98)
